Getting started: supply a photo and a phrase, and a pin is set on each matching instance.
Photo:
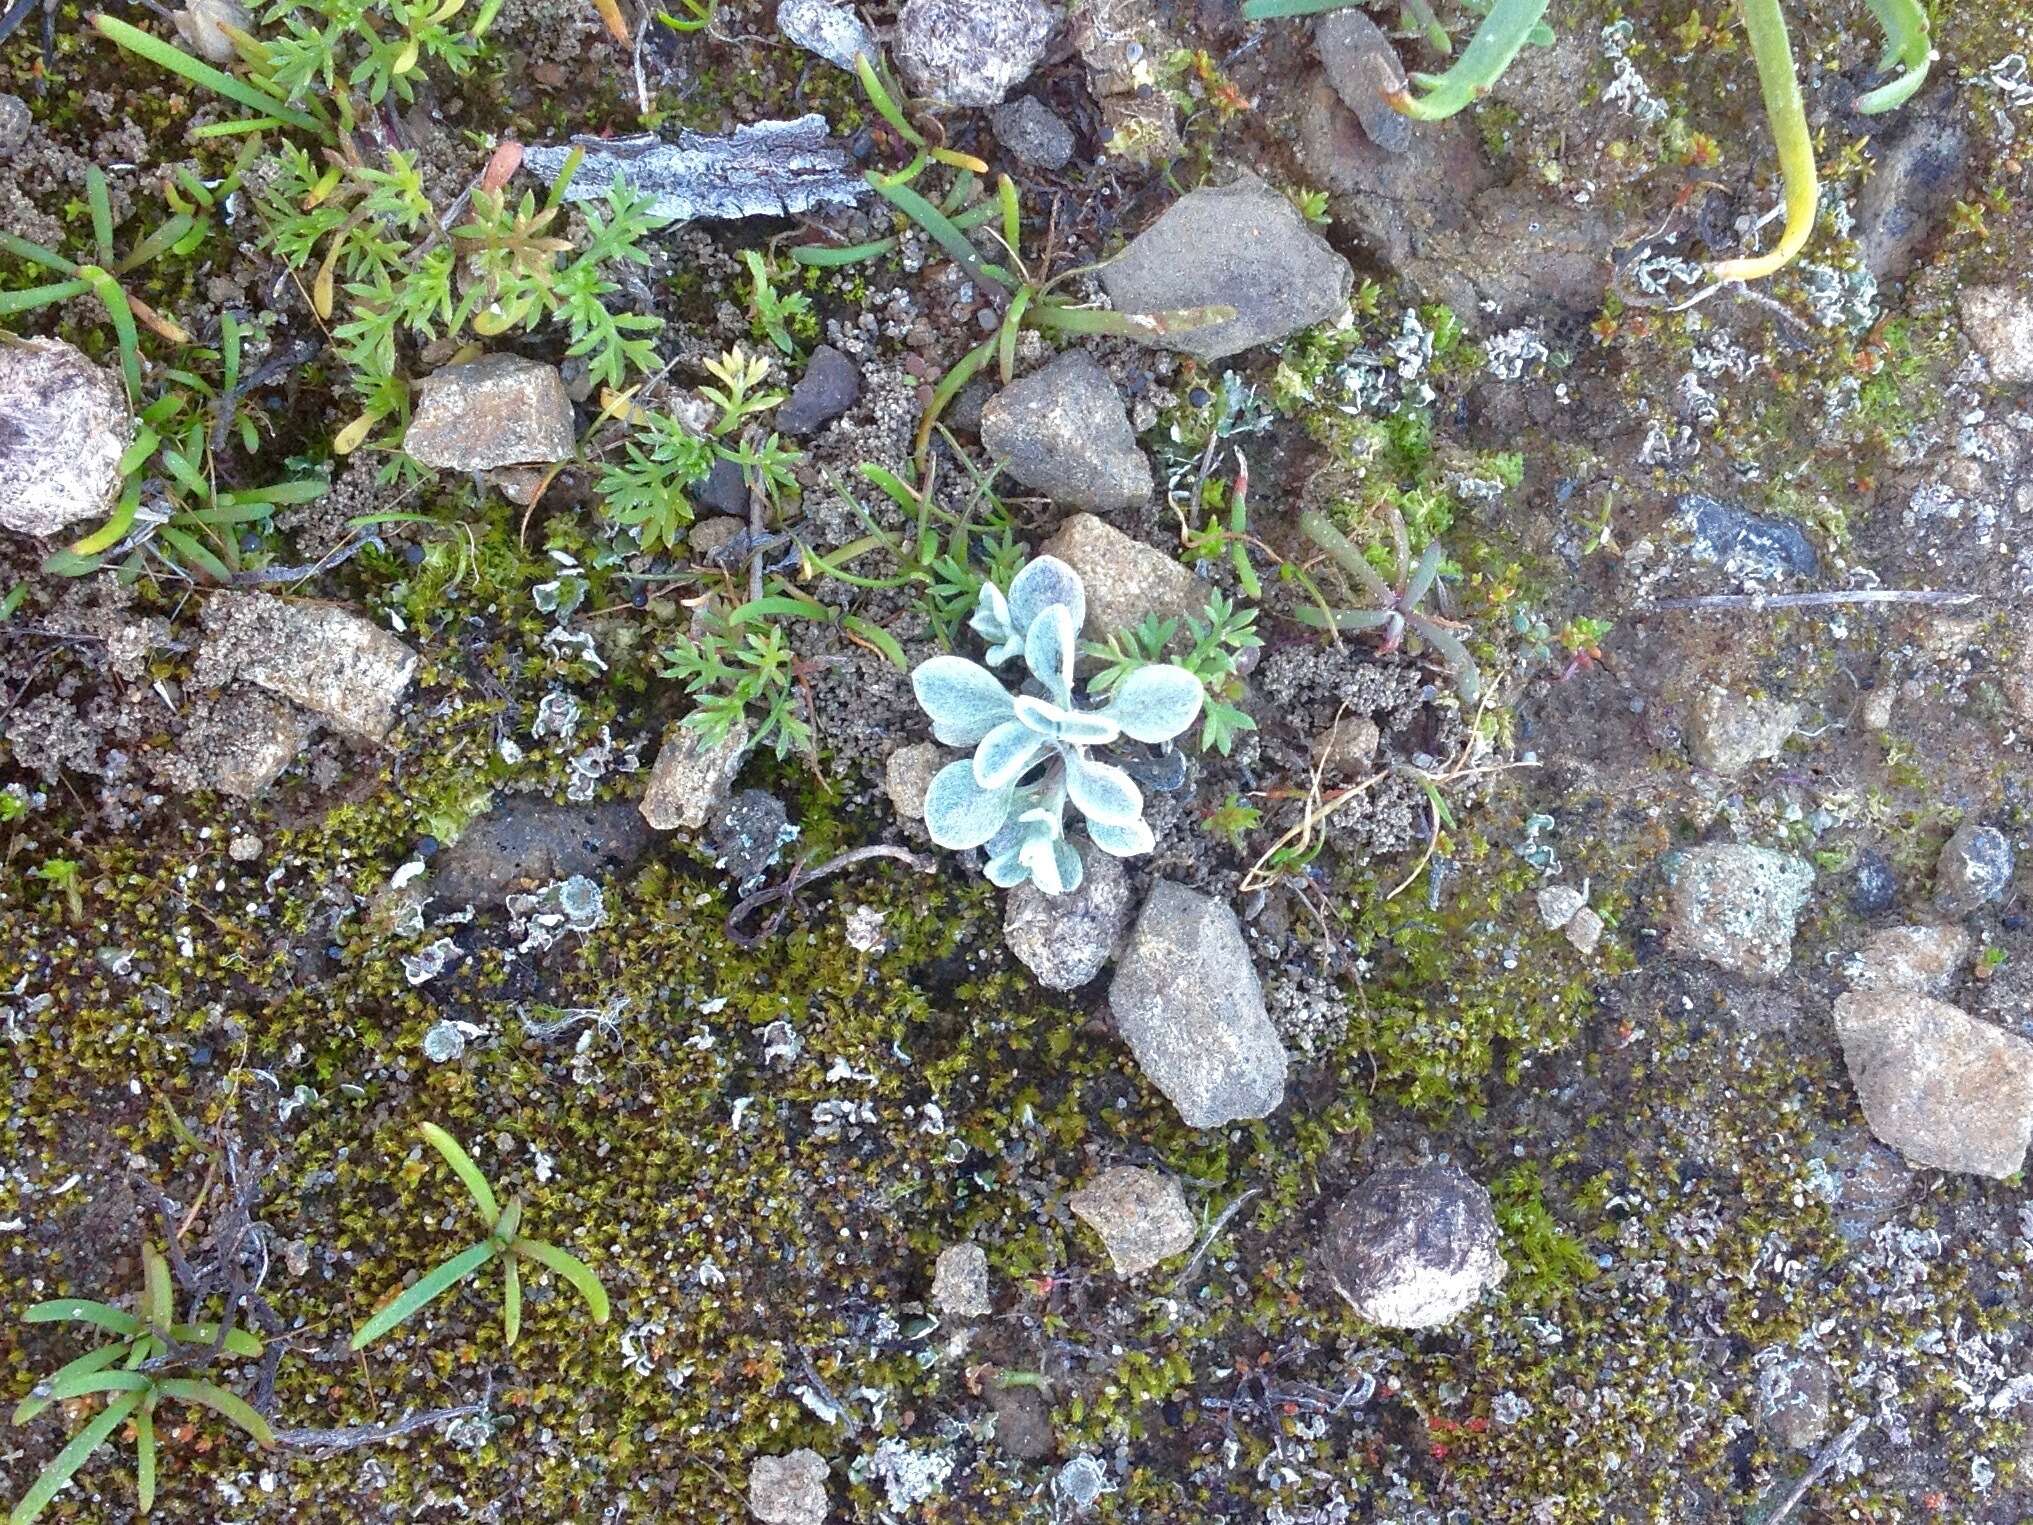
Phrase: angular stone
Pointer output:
(971, 52)
(830, 386)
(1063, 431)
(238, 743)
(1362, 66)
(960, 1282)
(1975, 868)
(1919, 166)
(1743, 544)
(345, 670)
(1924, 959)
(1032, 133)
(827, 28)
(1939, 1086)
(498, 410)
(1187, 1001)
(1793, 1396)
(1736, 906)
(1125, 578)
(788, 1490)
(1999, 322)
(1242, 245)
(1347, 747)
(691, 777)
(1728, 732)
(1413, 1246)
(202, 24)
(64, 425)
(907, 776)
(1584, 930)
(1066, 940)
(1140, 1215)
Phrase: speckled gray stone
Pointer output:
(1063, 431)
(971, 52)
(64, 425)
(1942, 1088)
(1413, 1246)
(1066, 940)
(788, 1490)
(1140, 1215)
(345, 670)
(691, 777)
(1975, 868)
(1125, 578)
(1736, 906)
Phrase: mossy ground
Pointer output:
(1656, 1137)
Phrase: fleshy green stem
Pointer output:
(1507, 28)
(1908, 44)
(1765, 23)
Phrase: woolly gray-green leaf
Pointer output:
(965, 700)
(1048, 653)
(959, 813)
(1046, 583)
(1102, 793)
(1156, 703)
(1130, 841)
(1005, 753)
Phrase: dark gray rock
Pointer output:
(498, 410)
(1242, 245)
(525, 841)
(1023, 1419)
(1743, 544)
(1413, 1246)
(1032, 133)
(1736, 906)
(830, 386)
(761, 169)
(1063, 431)
(1918, 169)
(724, 491)
(971, 52)
(64, 425)
(1874, 887)
(1066, 940)
(1975, 868)
(15, 125)
(748, 834)
(1187, 1001)
(1362, 66)
(1947, 1091)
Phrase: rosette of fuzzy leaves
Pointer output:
(1032, 749)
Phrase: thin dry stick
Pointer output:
(1816, 600)
(1831, 1453)
(802, 875)
(353, 1436)
(1213, 1232)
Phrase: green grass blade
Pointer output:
(877, 637)
(45, 1391)
(511, 1298)
(82, 1310)
(421, 1291)
(156, 51)
(98, 1382)
(161, 239)
(1127, 325)
(884, 102)
(144, 1461)
(464, 1168)
(101, 203)
(157, 1301)
(239, 1341)
(572, 1268)
(31, 297)
(227, 1405)
(191, 553)
(964, 370)
(778, 604)
(115, 302)
(1272, 10)
(943, 230)
(35, 254)
(66, 1462)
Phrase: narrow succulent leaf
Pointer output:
(221, 1402)
(1156, 703)
(1322, 533)
(98, 1382)
(965, 700)
(1045, 583)
(469, 1174)
(426, 1287)
(573, 1269)
(157, 1304)
(1504, 31)
(959, 813)
(1786, 111)
(1131, 841)
(511, 1299)
(238, 1341)
(1102, 792)
(45, 1391)
(1424, 575)
(82, 1310)
(1005, 753)
(146, 45)
(1344, 619)
(1467, 676)
(144, 1460)
(66, 1462)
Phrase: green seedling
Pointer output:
(780, 317)
(505, 1242)
(98, 277)
(1765, 24)
(645, 490)
(1908, 44)
(1218, 643)
(1392, 611)
(130, 1369)
(1504, 32)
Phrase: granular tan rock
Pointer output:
(1413, 1246)
(789, 1489)
(692, 777)
(498, 410)
(907, 776)
(345, 670)
(1140, 1215)
(1926, 959)
(238, 743)
(1939, 1086)
(1125, 578)
(960, 1282)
